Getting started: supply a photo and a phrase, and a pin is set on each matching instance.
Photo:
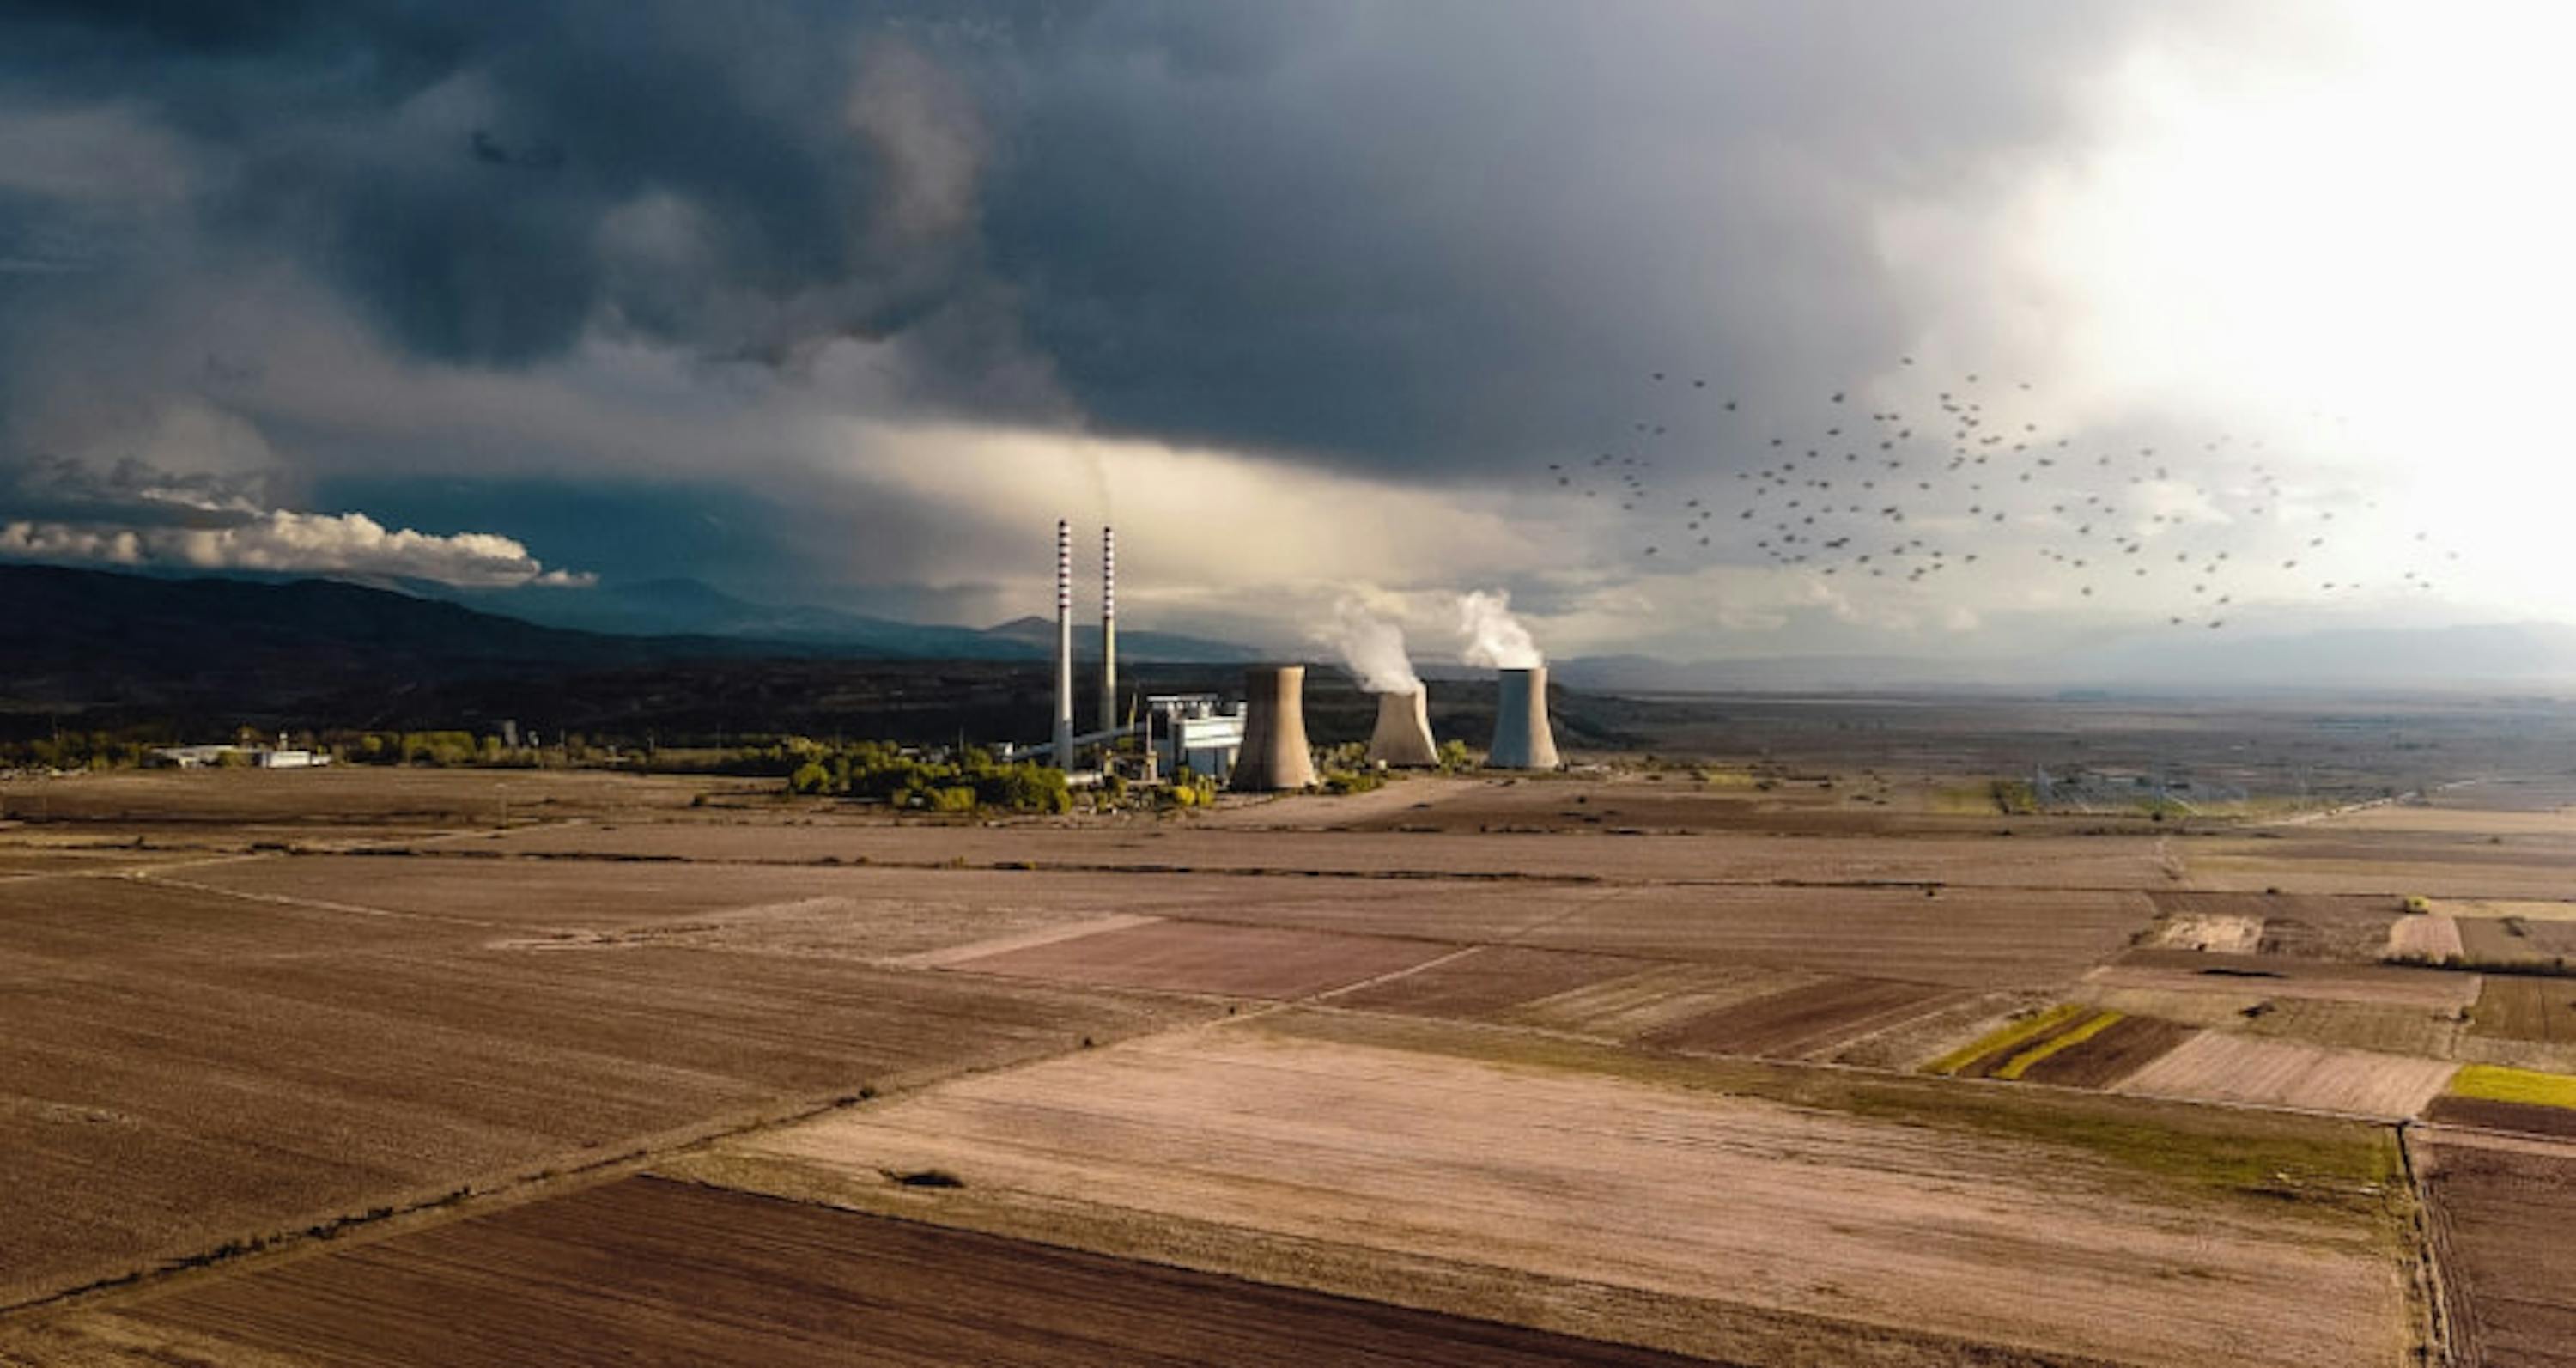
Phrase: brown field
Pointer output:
(2485, 1114)
(2388, 865)
(2425, 936)
(2492, 940)
(2516, 1007)
(2218, 1066)
(174, 801)
(2500, 1212)
(2303, 925)
(2387, 1028)
(1962, 938)
(1868, 1227)
(1629, 1007)
(2120, 1050)
(181, 1070)
(1488, 982)
(273, 1023)
(1813, 1020)
(651, 1270)
(2278, 977)
(1199, 957)
(1977, 859)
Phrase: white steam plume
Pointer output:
(1372, 646)
(1495, 639)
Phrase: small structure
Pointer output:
(256, 757)
(1189, 730)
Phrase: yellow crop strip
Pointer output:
(2494, 1083)
(2002, 1039)
(2020, 1063)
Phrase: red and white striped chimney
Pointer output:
(1063, 644)
(1108, 629)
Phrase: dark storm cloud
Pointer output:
(1428, 236)
(458, 169)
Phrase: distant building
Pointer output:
(257, 757)
(1187, 729)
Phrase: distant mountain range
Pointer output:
(686, 607)
(74, 641)
(79, 640)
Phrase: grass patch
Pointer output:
(2020, 1064)
(2003, 1038)
(2495, 1083)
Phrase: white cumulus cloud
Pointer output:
(285, 540)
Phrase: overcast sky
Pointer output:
(845, 304)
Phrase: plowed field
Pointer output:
(1870, 1224)
(2501, 1211)
(2221, 1067)
(1199, 957)
(1806, 1021)
(646, 1270)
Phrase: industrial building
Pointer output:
(256, 757)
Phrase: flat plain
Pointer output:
(446, 1066)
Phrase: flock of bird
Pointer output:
(1912, 497)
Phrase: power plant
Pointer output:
(1522, 738)
(1275, 755)
(1403, 736)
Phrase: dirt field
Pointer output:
(1978, 859)
(2385, 1028)
(2484, 1114)
(1638, 1004)
(1962, 938)
(2268, 976)
(182, 1070)
(2515, 1007)
(239, 1011)
(2220, 1067)
(1696, 1195)
(2118, 1051)
(1805, 1022)
(1489, 982)
(2428, 936)
(2501, 1211)
(650, 1270)
(1197, 957)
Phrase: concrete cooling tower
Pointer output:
(1403, 736)
(1522, 739)
(1274, 754)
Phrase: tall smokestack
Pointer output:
(1274, 754)
(1108, 629)
(1522, 739)
(1063, 644)
(1403, 736)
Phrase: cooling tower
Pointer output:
(1403, 736)
(1274, 754)
(1521, 736)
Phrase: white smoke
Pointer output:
(281, 540)
(1372, 646)
(1495, 639)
